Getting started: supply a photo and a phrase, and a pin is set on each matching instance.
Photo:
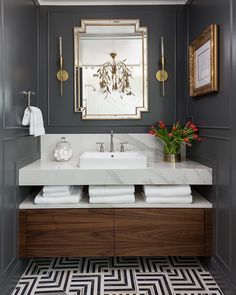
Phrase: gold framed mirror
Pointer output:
(110, 69)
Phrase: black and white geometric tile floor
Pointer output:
(117, 276)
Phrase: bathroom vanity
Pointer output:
(141, 228)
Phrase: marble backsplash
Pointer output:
(80, 143)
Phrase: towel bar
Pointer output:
(28, 93)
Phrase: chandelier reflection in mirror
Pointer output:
(110, 69)
(115, 76)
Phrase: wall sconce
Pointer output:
(62, 75)
(162, 75)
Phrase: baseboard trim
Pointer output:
(220, 276)
(10, 279)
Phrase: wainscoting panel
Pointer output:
(213, 110)
(214, 113)
(222, 194)
(19, 71)
(160, 20)
(20, 59)
(13, 150)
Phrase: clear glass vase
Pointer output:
(63, 151)
(172, 152)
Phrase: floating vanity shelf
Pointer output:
(198, 202)
(124, 230)
(158, 172)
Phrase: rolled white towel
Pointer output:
(166, 190)
(188, 199)
(110, 190)
(56, 188)
(124, 199)
(74, 198)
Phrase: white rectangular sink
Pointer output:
(116, 160)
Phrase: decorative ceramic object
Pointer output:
(63, 151)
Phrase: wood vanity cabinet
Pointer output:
(115, 232)
(163, 232)
(67, 232)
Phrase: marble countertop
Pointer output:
(198, 202)
(46, 172)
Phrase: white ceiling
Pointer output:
(112, 2)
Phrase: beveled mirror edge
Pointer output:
(78, 107)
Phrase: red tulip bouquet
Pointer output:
(175, 136)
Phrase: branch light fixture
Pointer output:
(62, 75)
(162, 74)
(115, 76)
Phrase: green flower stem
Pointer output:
(172, 148)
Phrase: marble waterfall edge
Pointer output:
(47, 171)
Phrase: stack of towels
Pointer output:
(111, 194)
(168, 194)
(59, 194)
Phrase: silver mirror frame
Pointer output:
(78, 106)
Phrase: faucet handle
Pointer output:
(101, 149)
(122, 147)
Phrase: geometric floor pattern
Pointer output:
(117, 276)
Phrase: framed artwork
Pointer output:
(203, 63)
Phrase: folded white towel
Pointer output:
(124, 199)
(110, 190)
(166, 190)
(170, 200)
(40, 200)
(74, 198)
(33, 117)
(56, 188)
(56, 194)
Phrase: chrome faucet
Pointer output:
(112, 143)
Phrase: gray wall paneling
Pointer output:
(214, 114)
(161, 20)
(19, 71)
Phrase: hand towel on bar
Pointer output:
(33, 117)
(166, 190)
(124, 199)
(56, 188)
(74, 198)
(170, 199)
(110, 190)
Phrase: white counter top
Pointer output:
(198, 202)
(44, 172)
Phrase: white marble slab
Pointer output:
(198, 202)
(44, 172)
(80, 143)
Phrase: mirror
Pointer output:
(110, 70)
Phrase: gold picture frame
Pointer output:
(203, 63)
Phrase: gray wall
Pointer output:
(19, 63)
(169, 21)
(215, 116)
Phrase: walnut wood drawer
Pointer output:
(55, 216)
(160, 232)
(115, 232)
(66, 232)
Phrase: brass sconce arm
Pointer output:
(162, 74)
(62, 75)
